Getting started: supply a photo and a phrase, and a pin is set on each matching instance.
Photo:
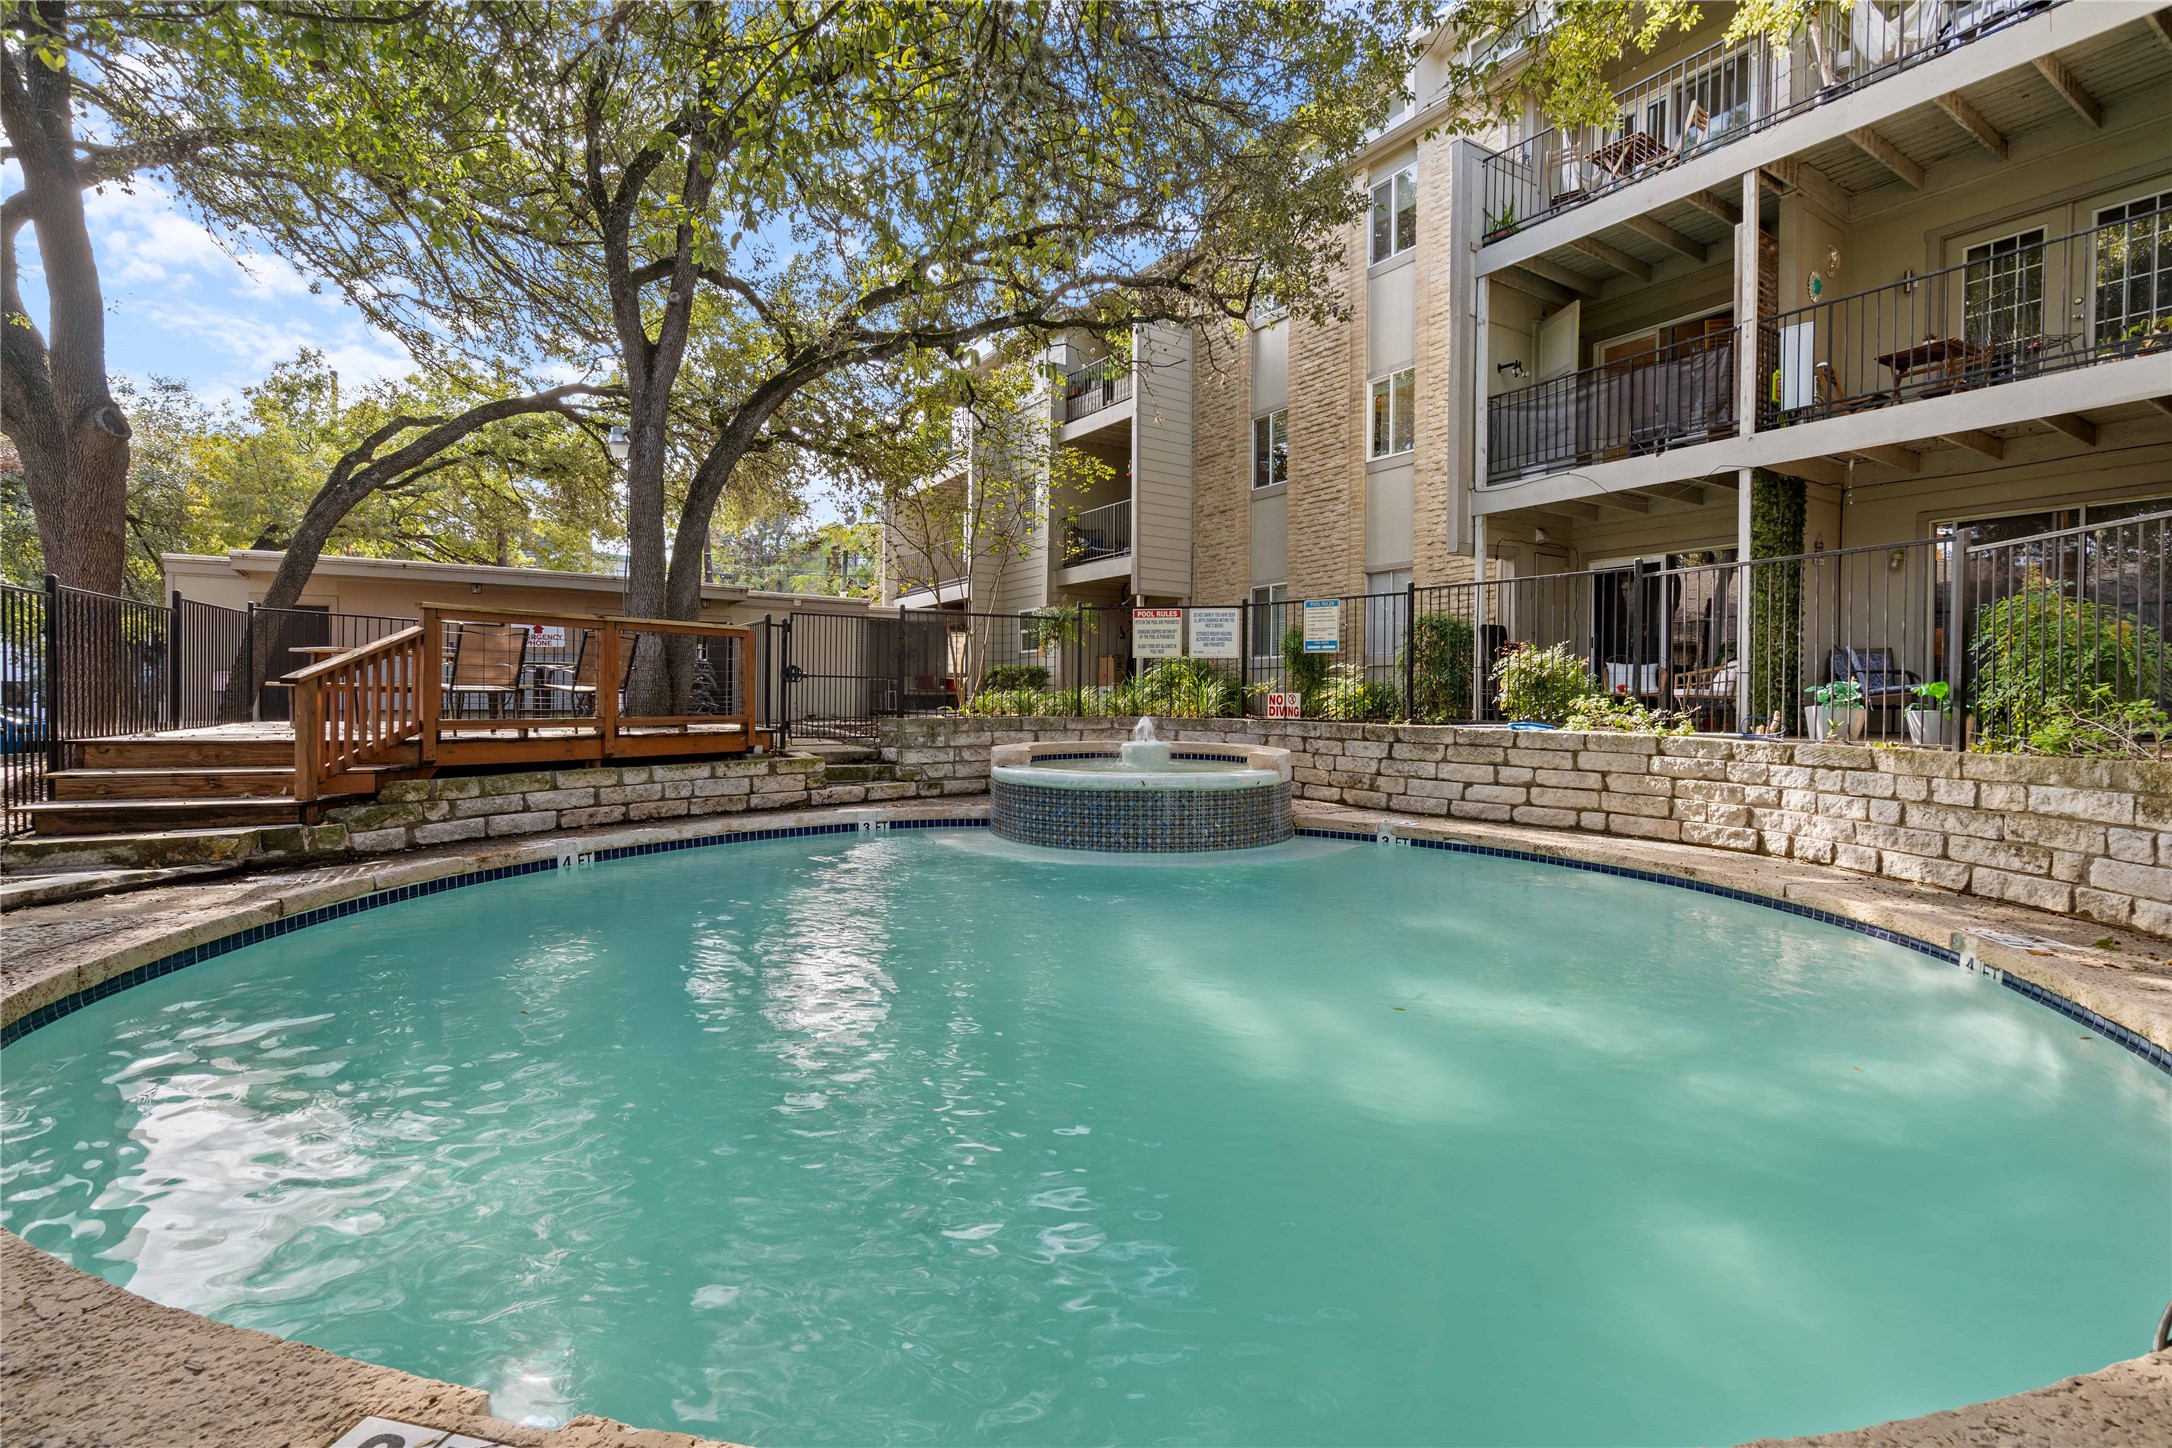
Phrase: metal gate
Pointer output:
(842, 672)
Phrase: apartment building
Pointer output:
(1912, 268)
(1083, 496)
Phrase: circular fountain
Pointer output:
(1141, 794)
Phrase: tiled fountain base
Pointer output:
(1156, 820)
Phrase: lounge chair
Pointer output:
(1885, 684)
(1706, 693)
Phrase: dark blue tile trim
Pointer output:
(2148, 1050)
(52, 1011)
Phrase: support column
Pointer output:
(1745, 488)
(1749, 389)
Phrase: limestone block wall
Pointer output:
(2091, 838)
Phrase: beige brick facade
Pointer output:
(1439, 431)
(1221, 466)
(1327, 440)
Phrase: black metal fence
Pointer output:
(2020, 307)
(1629, 407)
(25, 719)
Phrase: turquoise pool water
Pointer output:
(919, 1137)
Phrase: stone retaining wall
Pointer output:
(2081, 837)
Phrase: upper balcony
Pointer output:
(1724, 93)
(1097, 387)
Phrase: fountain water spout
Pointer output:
(1144, 750)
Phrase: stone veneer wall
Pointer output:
(2081, 837)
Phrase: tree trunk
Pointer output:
(72, 437)
(252, 661)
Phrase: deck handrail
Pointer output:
(356, 709)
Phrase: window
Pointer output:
(1395, 214)
(1723, 89)
(1395, 414)
(2003, 289)
(1271, 449)
(1270, 620)
(1385, 602)
(2133, 290)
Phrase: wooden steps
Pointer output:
(197, 750)
(222, 782)
(149, 816)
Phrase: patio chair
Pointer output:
(1884, 683)
(579, 677)
(487, 660)
(1706, 693)
(1834, 400)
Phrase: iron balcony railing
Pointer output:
(1103, 532)
(1677, 394)
(1095, 387)
(2021, 307)
(1723, 93)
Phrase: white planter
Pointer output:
(1926, 727)
(1843, 725)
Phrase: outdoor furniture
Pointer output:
(1956, 360)
(487, 660)
(1884, 683)
(1707, 694)
(1630, 154)
(1639, 679)
(579, 683)
(1834, 400)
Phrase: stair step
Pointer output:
(186, 752)
(224, 782)
(161, 851)
(123, 816)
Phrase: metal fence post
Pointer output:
(248, 652)
(52, 671)
(173, 664)
(1956, 627)
(1410, 651)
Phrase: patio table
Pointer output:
(1956, 357)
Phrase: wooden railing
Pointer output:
(375, 704)
(357, 709)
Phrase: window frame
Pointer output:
(1393, 224)
(2016, 255)
(2158, 203)
(1274, 466)
(1399, 391)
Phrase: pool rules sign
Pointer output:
(1157, 633)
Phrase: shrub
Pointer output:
(2094, 724)
(1541, 685)
(1625, 714)
(1185, 689)
(1438, 658)
(1015, 676)
(1302, 673)
(2045, 659)
(1350, 696)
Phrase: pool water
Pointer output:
(917, 1137)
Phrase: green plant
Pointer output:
(2044, 658)
(1438, 657)
(1302, 673)
(1185, 689)
(1779, 514)
(1046, 628)
(1015, 676)
(1350, 696)
(1839, 694)
(2093, 724)
(1502, 220)
(1937, 697)
(1541, 685)
(1624, 714)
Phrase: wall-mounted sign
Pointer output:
(1323, 625)
(1157, 633)
(1285, 706)
(1214, 633)
(547, 636)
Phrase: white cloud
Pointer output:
(139, 236)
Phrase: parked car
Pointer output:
(22, 731)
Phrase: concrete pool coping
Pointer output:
(84, 1362)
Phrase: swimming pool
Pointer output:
(919, 1136)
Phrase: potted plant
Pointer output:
(1927, 716)
(1500, 223)
(1836, 711)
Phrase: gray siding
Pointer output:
(1161, 464)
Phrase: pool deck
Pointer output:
(85, 1364)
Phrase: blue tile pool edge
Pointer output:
(51, 1011)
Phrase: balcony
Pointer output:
(2015, 309)
(1723, 93)
(1095, 387)
(1681, 393)
(1098, 533)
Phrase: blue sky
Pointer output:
(177, 305)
